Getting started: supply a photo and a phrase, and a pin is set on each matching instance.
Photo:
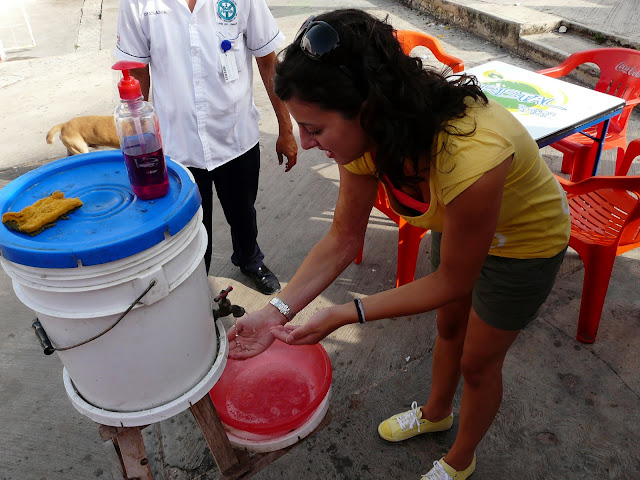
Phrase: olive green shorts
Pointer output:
(509, 291)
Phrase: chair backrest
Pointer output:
(606, 210)
(409, 40)
(619, 76)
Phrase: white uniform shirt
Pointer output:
(204, 121)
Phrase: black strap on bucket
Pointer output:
(49, 348)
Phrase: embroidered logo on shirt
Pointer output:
(226, 10)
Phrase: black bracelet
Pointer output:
(360, 310)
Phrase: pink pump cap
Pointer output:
(129, 87)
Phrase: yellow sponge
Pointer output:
(43, 214)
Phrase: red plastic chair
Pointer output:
(409, 40)
(605, 222)
(409, 237)
(619, 76)
(633, 150)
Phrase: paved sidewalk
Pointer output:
(615, 17)
(539, 31)
(570, 410)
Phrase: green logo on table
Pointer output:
(519, 96)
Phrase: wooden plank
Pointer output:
(211, 427)
(132, 453)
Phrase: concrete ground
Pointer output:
(570, 410)
(614, 17)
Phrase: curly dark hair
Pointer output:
(402, 104)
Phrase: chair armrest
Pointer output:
(590, 184)
(410, 39)
(571, 62)
(554, 72)
(563, 181)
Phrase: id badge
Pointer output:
(229, 67)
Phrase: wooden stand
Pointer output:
(233, 464)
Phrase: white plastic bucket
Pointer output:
(161, 349)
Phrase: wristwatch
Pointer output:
(283, 308)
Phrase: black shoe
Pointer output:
(266, 282)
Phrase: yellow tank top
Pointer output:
(534, 216)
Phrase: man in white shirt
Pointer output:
(200, 53)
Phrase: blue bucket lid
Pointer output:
(111, 224)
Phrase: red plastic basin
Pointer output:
(274, 392)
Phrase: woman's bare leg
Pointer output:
(485, 348)
(452, 326)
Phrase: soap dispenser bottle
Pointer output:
(139, 132)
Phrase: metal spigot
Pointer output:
(225, 307)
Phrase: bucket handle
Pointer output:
(49, 348)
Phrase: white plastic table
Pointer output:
(549, 108)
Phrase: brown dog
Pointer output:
(80, 133)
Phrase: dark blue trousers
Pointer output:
(236, 184)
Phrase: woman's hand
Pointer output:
(321, 324)
(251, 334)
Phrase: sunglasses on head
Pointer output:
(317, 39)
